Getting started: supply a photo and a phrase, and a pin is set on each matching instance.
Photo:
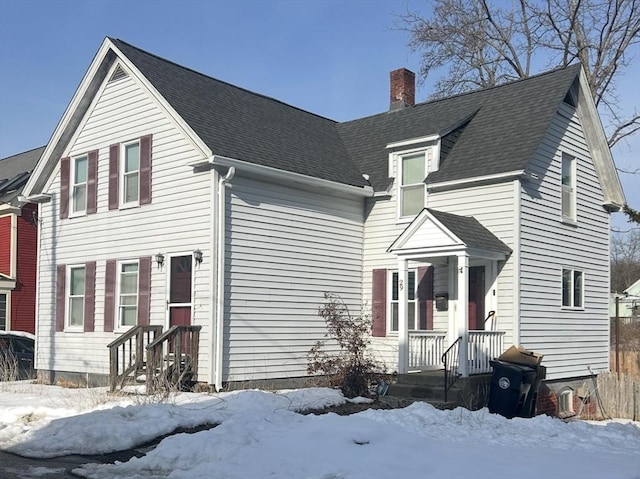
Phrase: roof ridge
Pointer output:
(470, 92)
(209, 77)
(22, 153)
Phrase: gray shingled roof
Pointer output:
(239, 124)
(14, 173)
(470, 231)
(507, 124)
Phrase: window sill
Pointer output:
(74, 329)
(572, 308)
(128, 206)
(78, 214)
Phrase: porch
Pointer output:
(468, 258)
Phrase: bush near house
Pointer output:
(351, 367)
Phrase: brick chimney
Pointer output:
(403, 89)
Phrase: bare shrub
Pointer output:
(8, 367)
(351, 367)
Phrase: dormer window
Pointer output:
(412, 189)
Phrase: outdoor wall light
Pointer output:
(197, 255)
(160, 260)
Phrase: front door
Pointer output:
(476, 298)
(180, 280)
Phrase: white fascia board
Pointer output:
(6, 209)
(288, 176)
(421, 254)
(598, 146)
(413, 141)
(453, 184)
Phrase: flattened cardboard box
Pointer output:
(519, 355)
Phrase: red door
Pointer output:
(476, 298)
(180, 291)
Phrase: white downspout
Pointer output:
(219, 279)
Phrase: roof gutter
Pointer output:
(477, 180)
(284, 176)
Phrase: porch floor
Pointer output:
(471, 392)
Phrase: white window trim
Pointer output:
(572, 190)
(7, 324)
(67, 313)
(121, 174)
(73, 184)
(572, 299)
(397, 160)
(119, 326)
(390, 299)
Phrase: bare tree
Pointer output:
(625, 260)
(483, 43)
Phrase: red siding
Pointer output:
(23, 298)
(5, 245)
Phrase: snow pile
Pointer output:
(260, 436)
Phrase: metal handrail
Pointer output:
(450, 373)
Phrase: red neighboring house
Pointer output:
(18, 244)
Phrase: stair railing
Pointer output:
(127, 354)
(172, 358)
(451, 358)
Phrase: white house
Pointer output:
(169, 198)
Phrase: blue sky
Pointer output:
(329, 57)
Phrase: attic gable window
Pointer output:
(412, 189)
(568, 188)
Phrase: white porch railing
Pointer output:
(426, 349)
(484, 346)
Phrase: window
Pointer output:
(130, 174)
(568, 187)
(79, 185)
(3, 312)
(75, 315)
(411, 301)
(412, 187)
(572, 288)
(128, 294)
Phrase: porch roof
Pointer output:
(436, 233)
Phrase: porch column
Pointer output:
(403, 323)
(463, 312)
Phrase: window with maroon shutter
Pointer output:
(144, 291)
(89, 296)
(92, 182)
(109, 295)
(61, 295)
(425, 297)
(379, 303)
(114, 164)
(65, 171)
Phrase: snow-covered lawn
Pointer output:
(262, 436)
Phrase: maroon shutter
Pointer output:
(65, 170)
(425, 296)
(92, 182)
(109, 295)
(61, 279)
(379, 303)
(144, 291)
(114, 164)
(145, 169)
(89, 296)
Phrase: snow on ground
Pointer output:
(260, 435)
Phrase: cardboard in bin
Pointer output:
(519, 355)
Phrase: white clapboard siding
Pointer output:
(177, 221)
(571, 341)
(494, 207)
(284, 249)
